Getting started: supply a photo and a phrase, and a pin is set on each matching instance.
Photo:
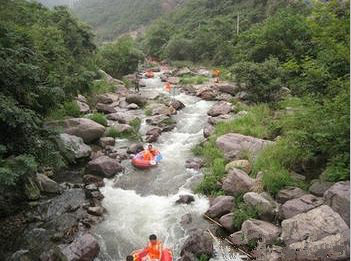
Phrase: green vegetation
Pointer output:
(99, 118)
(111, 18)
(67, 109)
(193, 79)
(112, 132)
(119, 58)
(132, 133)
(243, 212)
(45, 61)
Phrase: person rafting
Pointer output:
(168, 87)
(150, 153)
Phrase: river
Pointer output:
(142, 202)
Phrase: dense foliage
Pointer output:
(111, 18)
(44, 62)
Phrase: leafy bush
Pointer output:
(242, 212)
(193, 79)
(119, 58)
(99, 118)
(180, 49)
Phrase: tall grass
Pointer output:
(193, 79)
(99, 118)
(68, 109)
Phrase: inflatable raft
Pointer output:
(139, 255)
(139, 162)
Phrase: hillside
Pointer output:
(52, 3)
(111, 18)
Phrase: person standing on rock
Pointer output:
(137, 79)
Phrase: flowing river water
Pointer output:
(142, 202)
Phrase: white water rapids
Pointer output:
(142, 202)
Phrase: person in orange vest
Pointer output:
(168, 87)
(154, 248)
(149, 153)
(216, 73)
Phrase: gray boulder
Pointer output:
(236, 182)
(104, 166)
(105, 108)
(319, 234)
(87, 129)
(107, 141)
(84, 247)
(231, 89)
(233, 144)
(135, 148)
(289, 193)
(83, 107)
(299, 205)
(185, 199)
(47, 185)
(137, 99)
(176, 104)
(227, 221)
(220, 206)
(338, 198)
(198, 243)
(73, 147)
(259, 230)
(220, 108)
(318, 187)
(265, 207)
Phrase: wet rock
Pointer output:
(21, 255)
(104, 166)
(73, 147)
(244, 165)
(185, 199)
(194, 163)
(84, 247)
(186, 219)
(137, 99)
(206, 93)
(123, 128)
(221, 118)
(220, 206)
(198, 243)
(96, 211)
(220, 108)
(153, 134)
(107, 141)
(265, 207)
(132, 106)
(105, 108)
(227, 221)
(161, 109)
(289, 193)
(338, 198)
(208, 130)
(176, 104)
(47, 185)
(237, 238)
(233, 144)
(318, 187)
(35, 241)
(164, 122)
(90, 179)
(105, 99)
(83, 107)
(259, 230)
(299, 205)
(87, 129)
(236, 182)
(135, 148)
(314, 235)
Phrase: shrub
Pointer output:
(68, 109)
(242, 212)
(99, 118)
(193, 79)
(112, 132)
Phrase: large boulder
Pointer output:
(338, 198)
(198, 243)
(316, 235)
(258, 230)
(83, 107)
(135, 148)
(299, 205)
(206, 93)
(244, 165)
(87, 129)
(289, 193)
(227, 221)
(107, 98)
(73, 147)
(137, 99)
(185, 199)
(47, 185)
(265, 207)
(161, 109)
(105, 108)
(84, 247)
(104, 166)
(220, 206)
(176, 104)
(318, 187)
(237, 182)
(166, 123)
(153, 134)
(233, 144)
(220, 108)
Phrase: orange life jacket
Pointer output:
(148, 155)
(216, 73)
(168, 87)
(155, 250)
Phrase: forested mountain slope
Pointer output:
(111, 18)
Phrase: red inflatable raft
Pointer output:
(139, 255)
(139, 162)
